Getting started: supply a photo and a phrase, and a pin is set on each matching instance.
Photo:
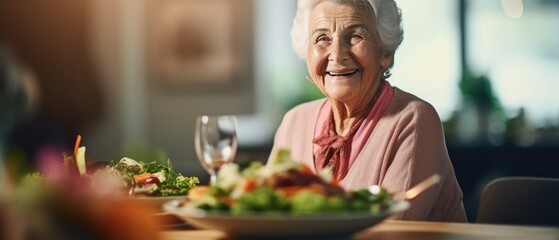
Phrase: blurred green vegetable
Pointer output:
(173, 183)
(261, 199)
(308, 202)
(284, 185)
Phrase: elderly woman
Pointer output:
(366, 130)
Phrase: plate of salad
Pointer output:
(149, 184)
(282, 199)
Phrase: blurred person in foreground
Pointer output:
(53, 204)
(17, 95)
(25, 135)
(365, 130)
(66, 207)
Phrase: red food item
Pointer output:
(151, 180)
(292, 181)
(146, 178)
(248, 185)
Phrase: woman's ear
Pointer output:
(386, 60)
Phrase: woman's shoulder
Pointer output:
(406, 101)
(408, 106)
(306, 108)
(304, 114)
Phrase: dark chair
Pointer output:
(520, 201)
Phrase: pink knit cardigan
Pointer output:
(406, 146)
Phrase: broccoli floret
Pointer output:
(365, 200)
(178, 186)
(212, 203)
(308, 202)
(336, 203)
(186, 183)
(311, 202)
(261, 199)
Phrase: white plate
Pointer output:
(282, 224)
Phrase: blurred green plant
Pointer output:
(478, 98)
(479, 90)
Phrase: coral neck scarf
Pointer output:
(337, 152)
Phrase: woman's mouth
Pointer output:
(336, 74)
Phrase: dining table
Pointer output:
(398, 230)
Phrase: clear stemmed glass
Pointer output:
(215, 142)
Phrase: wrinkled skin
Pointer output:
(345, 59)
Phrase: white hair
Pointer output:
(387, 18)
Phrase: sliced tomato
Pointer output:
(141, 178)
(248, 185)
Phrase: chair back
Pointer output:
(520, 201)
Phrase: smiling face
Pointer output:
(344, 56)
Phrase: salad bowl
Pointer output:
(283, 198)
(282, 224)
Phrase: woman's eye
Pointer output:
(322, 39)
(354, 39)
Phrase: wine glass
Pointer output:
(215, 142)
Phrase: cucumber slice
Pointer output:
(80, 160)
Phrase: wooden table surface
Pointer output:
(396, 230)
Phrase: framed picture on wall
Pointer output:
(200, 46)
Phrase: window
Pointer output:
(514, 43)
(427, 64)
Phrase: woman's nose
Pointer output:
(338, 51)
